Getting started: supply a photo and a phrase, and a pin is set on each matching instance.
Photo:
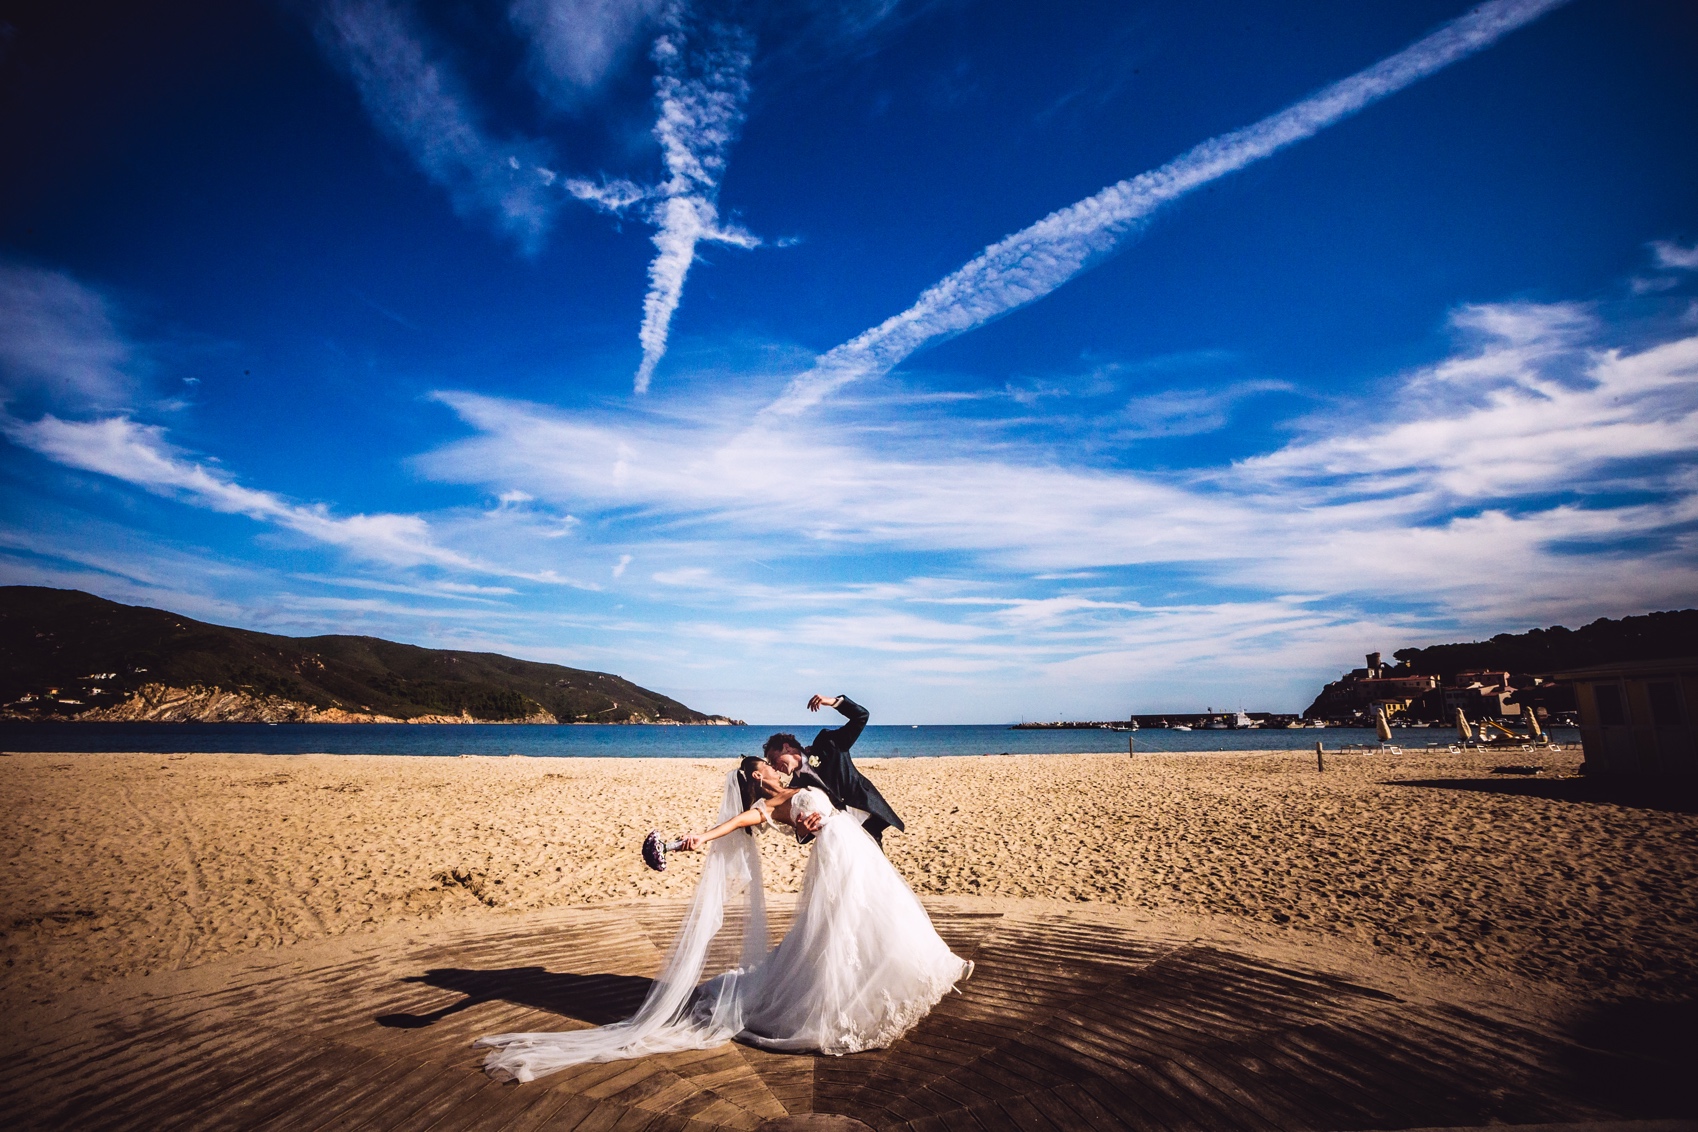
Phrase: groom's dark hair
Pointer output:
(778, 741)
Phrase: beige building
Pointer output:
(1639, 717)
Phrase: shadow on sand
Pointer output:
(596, 999)
(1669, 797)
(1638, 1056)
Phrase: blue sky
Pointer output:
(985, 361)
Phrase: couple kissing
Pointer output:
(826, 764)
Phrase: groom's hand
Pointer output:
(824, 701)
(810, 823)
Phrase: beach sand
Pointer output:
(128, 864)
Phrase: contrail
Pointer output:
(1035, 261)
(699, 116)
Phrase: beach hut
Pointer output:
(1637, 718)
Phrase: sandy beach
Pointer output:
(127, 864)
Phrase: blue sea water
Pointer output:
(640, 741)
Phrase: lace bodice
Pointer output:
(810, 800)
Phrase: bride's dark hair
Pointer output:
(746, 780)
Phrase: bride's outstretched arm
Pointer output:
(751, 816)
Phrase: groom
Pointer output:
(827, 765)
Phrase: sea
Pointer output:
(668, 742)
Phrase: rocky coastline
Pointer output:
(69, 656)
(161, 703)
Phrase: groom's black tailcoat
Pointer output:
(826, 763)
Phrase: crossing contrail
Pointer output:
(1035, 261)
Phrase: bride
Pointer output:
(859, 967)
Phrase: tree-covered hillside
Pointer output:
(58, 645)
(1653, 636)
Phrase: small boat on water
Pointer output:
(1180, 727)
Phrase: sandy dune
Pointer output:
(126, 864)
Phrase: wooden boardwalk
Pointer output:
(1072, 1020)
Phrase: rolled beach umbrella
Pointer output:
(1463, 731)
(1381, 727)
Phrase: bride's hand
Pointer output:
(691, 843)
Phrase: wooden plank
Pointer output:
(155, 1086)
(1077, 1108)
(789, 1078)
(383, 1076)
(398, 1110)
(292, 1091)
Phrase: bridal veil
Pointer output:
(673, 1016)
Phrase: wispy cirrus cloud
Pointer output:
(1029, 264)
(1542, 406)
(141, 455)
(576, 44)
(58, 345)
(416, 101)
(1190, 412)
(65, 343)
(1537, 452)
(1676, 256)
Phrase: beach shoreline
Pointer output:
(129, 865)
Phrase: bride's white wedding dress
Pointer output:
(859, 967)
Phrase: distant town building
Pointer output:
(1412, 696)
(1358, 692)
(1637, 718)
(1481, 695)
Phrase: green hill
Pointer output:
(56, 646)
(1653, 636)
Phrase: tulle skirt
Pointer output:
(860, 965)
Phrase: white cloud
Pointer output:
(417, 103)
(1506, 456)
(614, 195)
(1031, 263)
(1190, 412)
(57, 343)
(62, 342)
(576, 44)
(1676, 256)
(1512, 420)
(139, 454)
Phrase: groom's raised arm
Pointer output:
(842, 738)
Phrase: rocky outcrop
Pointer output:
(159, 703)
(538, 716)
